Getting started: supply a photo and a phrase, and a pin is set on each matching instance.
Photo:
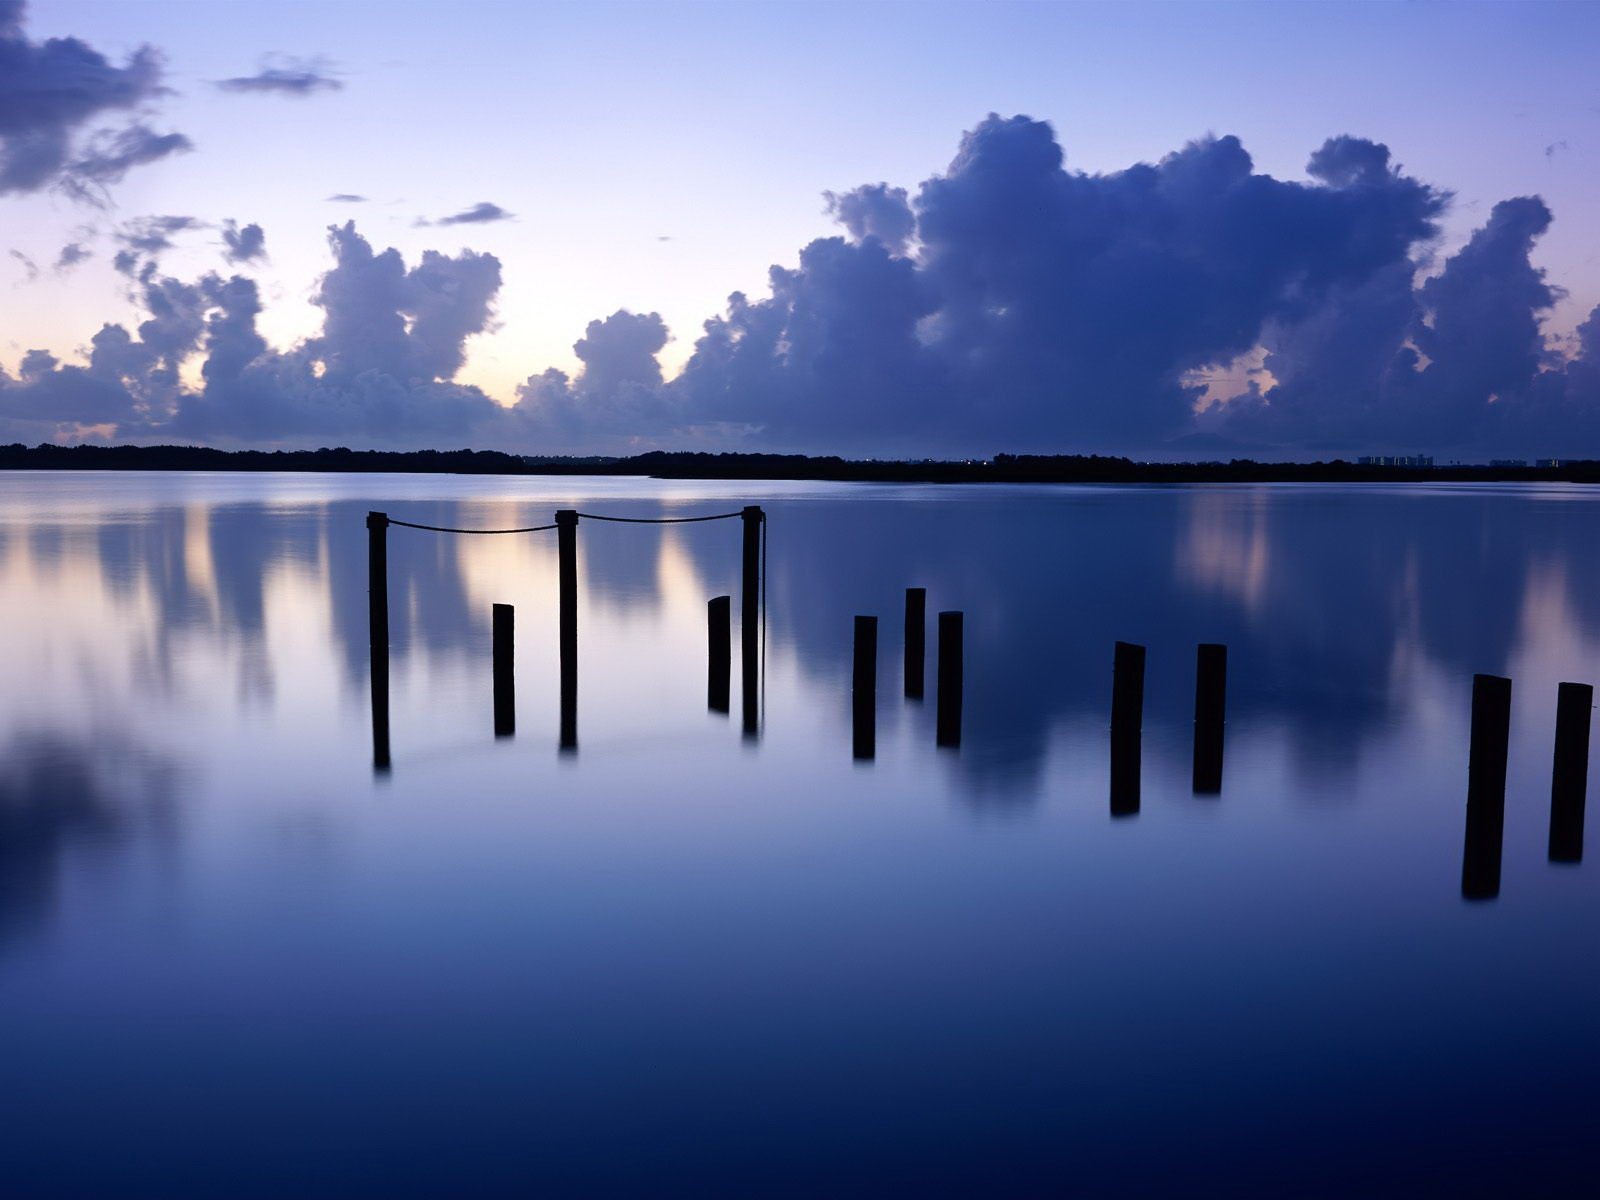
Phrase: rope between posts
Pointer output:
(659, 520)
(443, 529)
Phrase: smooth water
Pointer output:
(234, 961)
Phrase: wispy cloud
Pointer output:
(296, 77)
(481, 213)
(346, 198)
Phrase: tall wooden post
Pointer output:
(1569, 781)
(947, 717)
(719, 652)
(1127, 727)
(567, 589)
(864, 690)
(1486, 787)
(750, 618)
(505, 688)
(1210, 708)
(916, 640)
(378, 634)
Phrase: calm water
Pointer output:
(234, 962)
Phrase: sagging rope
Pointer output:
(659, 520)
(443, 529)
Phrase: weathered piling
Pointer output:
(750, 619)
(1210, 716)
(378, 634)
(567, 589)
(1569, 781)
(1127, 723)
(719, 652)
(505, 688)
(916, 640)
(947, 719)
(864, 690)
(1486, 787)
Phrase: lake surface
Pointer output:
(235, 960)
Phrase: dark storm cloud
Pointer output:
(294, 77)
(50, 90)
(481, 213)
(242, 244)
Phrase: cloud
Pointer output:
(71, 255)
(50, 90)
(875, 210)
(1555, 148)
(243, 244)
(30, 269)
(110, 156)
(295, 77)
(346, 198)
(480, 213)
(145, 239)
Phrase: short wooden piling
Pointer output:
(948, 683)
(864, 690)
(378, 634)
(1569, 782)
(505, 688)
(719, 652)
(750, 619)
(916, 640)
(567, 591)
(1127, 722)
(1486, 787)
(1210, 716)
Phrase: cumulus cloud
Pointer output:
(875, 210)
(295, 77)
(49, 93)
(243, 244)
(480, 213)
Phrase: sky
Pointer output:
(1133, 254)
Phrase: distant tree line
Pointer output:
(1003, 468)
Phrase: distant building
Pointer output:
(1508, 462)
(1414, 461)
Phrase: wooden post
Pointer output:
(1486, 787)
(1569, 780)
(505, 688)
(864, 690)
(750, 619)
(719, 656)
(1210, 709)
(378, 634)
(1127, 722)
(916, 640)
(948, 683)
(567, 587)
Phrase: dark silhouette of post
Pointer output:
(864, 690)
(1569, 781)
(378, 634)
(505, 688)
(567, 586)
(1486, 787)
(719, 655)
(947, 719)
(1127, 726)
(916, 640)
(750, 618)
(1210, 715)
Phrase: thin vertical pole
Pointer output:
(1127, 726)
(505, 688)
(1486, 787)
(567, 587)
(719, 656)
(378, 634)
(947, 719)
(749, 618)
(1210, 709)
(864, 689)
(916, 640)
(1569, 781)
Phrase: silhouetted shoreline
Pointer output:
(1003, 468)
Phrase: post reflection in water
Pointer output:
(226, 847)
